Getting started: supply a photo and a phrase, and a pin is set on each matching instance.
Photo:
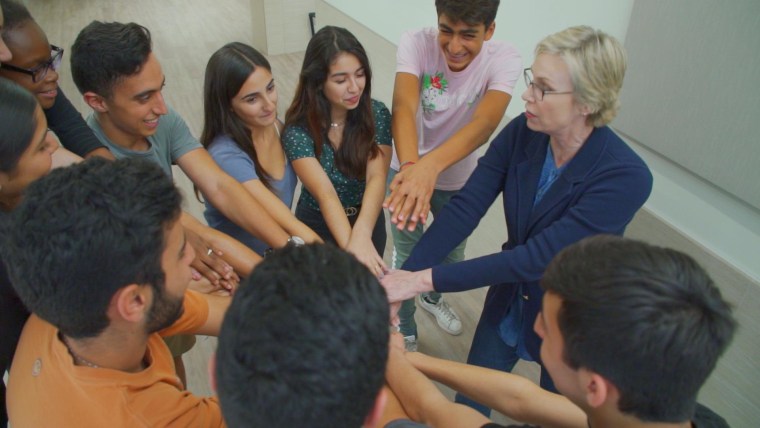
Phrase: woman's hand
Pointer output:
(362, 247)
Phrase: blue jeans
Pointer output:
(403, 244)
(489, 350)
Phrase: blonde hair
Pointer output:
(597, 63)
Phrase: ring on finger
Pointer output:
(208, 253)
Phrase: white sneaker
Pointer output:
(445, 315)
(410, 343)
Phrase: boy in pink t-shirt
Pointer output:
(453, 85)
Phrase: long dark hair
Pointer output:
(17, 123)
(226, 72)
(311, 109)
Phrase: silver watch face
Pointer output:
(296, 240)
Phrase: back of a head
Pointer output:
(83, 232)
(17, 123)
(471, 12)
(304, 343)
(648, 319)
(105, 52)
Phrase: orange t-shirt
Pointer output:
(46, 389)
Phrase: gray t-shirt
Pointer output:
(170, 142)
(239, 165)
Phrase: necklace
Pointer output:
(336, 125)
(76, 356)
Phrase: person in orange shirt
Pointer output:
(97, 253)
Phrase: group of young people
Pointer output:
(101, 254)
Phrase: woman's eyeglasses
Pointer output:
(39, 72)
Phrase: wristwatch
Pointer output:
(293, 241)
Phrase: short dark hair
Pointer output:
(304, 343)
(17, 123)
(85, 231)
(647, 318)
(471, 12)
(106, 52)
(15, 14)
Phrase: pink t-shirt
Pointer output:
(448, 99)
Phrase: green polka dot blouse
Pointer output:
(299, 144)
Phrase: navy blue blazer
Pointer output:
(599, 191)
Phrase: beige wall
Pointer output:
(281, 26)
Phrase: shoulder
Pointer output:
(379, 108)
(172, 114)
(171, 126)
(194, 315)
(295, 132)
(92, 122)
(419, 36)
(297, 142)
(502, 62)
(500, 49)
(706, 418)
(223, 144)
(617, 149)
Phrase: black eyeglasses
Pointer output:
(539, 93)
(39, 72)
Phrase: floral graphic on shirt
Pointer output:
(433, 87)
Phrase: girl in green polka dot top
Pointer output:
(338, 140)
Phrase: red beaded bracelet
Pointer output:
(407, 163)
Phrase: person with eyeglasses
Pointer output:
(34, 66)
(563, 174)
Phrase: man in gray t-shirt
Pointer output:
(121, 80)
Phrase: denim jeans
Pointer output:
(489, 350)
(314, 219)
(403, 244)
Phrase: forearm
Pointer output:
(406, 101)
(422, 400)
(512, 395)
(468, 138)
(285, 218)
(404, 129)
(335, 217)
(459, 145)
(240, 257)
(372, 203)
(242, 209)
